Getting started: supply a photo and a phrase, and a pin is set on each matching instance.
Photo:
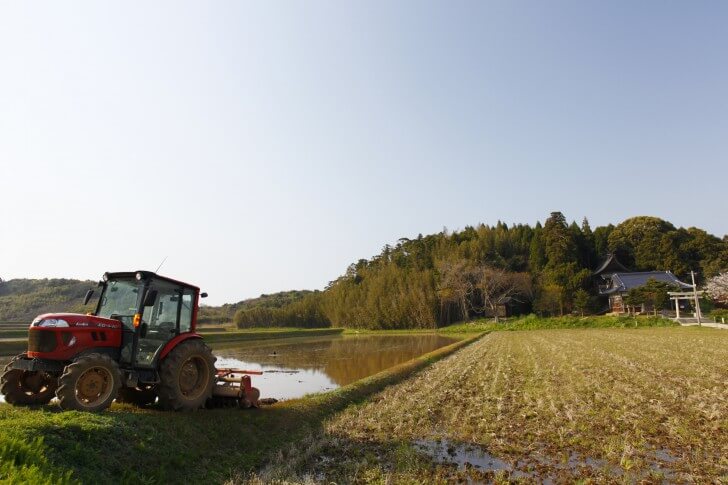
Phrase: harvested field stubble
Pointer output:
(615, 404)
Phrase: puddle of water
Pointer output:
(464, 456)
(298, 366)
(665, 456)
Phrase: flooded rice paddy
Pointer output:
(295, 367)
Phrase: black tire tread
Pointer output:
(170, 397)
(66, 392)
(10, 389)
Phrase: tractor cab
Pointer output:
(153, 310)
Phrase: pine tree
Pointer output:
(558, 241)
(537, 251)
(582, 300)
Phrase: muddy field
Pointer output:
(551, 405)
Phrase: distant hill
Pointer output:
(24, 299)
(225, 313)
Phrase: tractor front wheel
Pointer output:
(187, 375)
(91, 383)
(26, 388)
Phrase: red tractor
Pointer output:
(139, 345)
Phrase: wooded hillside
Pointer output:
(225, 313)
(24, 299)
(453, 276)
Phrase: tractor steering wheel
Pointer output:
(163, 330)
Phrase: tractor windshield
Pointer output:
(120, 298)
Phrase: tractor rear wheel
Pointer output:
(134, 395)
(26, 388)
(187, 375)
(91, 383)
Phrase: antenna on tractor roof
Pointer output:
(160, 264)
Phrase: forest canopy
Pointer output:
(442, 278)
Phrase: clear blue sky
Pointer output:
(265, 146)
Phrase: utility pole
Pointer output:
(695, 295)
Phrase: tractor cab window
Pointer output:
(185, 316)
(119, 300)
(162, 315)
(160, 320)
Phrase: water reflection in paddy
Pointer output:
(298, 366)
(295, 367)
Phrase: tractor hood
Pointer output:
(52, 320)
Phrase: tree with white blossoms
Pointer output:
(717, 288)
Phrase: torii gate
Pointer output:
(676, 296)
(694, 295)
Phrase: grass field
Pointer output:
(147, 446)
(532, 322)
(599, 404)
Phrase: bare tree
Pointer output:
(497, 287)
(455, 285)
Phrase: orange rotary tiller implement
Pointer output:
(233, 387)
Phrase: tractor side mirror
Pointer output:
(143, 329)
(150, 298)
(88, 296)
(203, 295)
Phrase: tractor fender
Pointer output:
(176, 341)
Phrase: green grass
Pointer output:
(267, 334)
(718, 314)
(14, 333)
(530, 322)
(12, 347)
(533, 322)
(413, 331)
(130, 445)
(213, 329)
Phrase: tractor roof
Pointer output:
(147, 275)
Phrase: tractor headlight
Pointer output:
(52, 322)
